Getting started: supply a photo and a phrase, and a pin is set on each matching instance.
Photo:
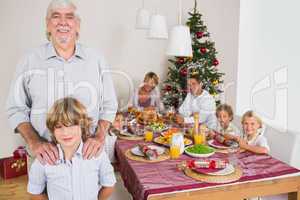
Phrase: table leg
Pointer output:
(294, 196)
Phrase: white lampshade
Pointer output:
(180, 43)
(158, 27)
(142, 19)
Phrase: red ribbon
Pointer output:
(20, 152)
(191, 164)
(212, 164)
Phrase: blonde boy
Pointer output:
(72, 177)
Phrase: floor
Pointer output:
(15, 189)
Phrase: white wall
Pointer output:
(109, 26)
(268, 69)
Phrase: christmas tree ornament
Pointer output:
(181, 60)
(184, 71)
(185, 90)
(168, 88)
(199, 34)
(215, 82)
(215, 62)
(194, 73)
(203, 50)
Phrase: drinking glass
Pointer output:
(174, 151)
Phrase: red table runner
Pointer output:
(142, 179)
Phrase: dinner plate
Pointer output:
(126, 133)
(122, 132)
(216, 144)
(136, 150)
(229, 169)
(197, 155)
(114, 131)
(161, 140)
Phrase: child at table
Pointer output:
(253, 139)
(72, 176)
(119, 121)
(225, 126)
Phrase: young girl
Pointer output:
(225, 126)
(253, 140)
(72, 177)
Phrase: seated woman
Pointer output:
(197, 100)
(148, 95)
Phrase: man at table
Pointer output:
(55, 70)
(197, 100)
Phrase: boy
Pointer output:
(72, 177)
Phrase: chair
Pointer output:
(283, 146)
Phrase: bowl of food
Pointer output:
(199, 151)
(158, 126)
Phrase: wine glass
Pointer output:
(232, 155)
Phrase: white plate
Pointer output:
(196, 155)
(125, 133)
(210, 143)
(122, 132)
(229, 169)
(114, 131)
(136, 150)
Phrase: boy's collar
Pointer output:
(78, 152)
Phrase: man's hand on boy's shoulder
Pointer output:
(45, 152)
(93, 146)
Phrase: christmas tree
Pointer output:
(204, 62)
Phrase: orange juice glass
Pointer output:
(174, 151)
(148, 136)
(198, 139)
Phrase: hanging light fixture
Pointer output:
(180, 43)
(142, 18)
(158, 27)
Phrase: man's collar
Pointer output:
(51, 53)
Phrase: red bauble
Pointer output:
(215, 62)
(168, 88)
(183, 71)
(185, 90)
(180, 60)
(199, 34)
(203, 50)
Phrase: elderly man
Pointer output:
(55, 70)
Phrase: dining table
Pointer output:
(262, 175)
